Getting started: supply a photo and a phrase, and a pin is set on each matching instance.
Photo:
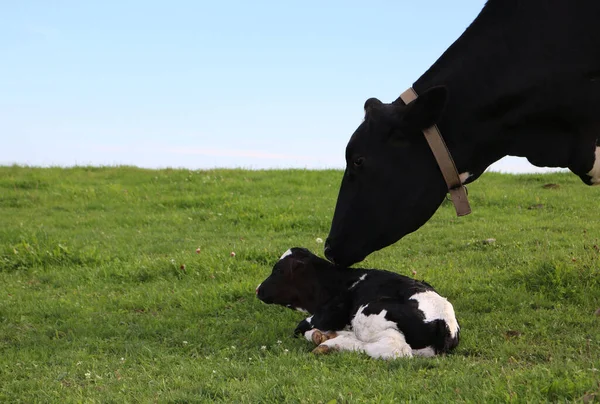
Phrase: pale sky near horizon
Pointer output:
(197, 84)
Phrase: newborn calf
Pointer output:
(381, 313)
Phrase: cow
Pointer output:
(522, 80)
(381, 313)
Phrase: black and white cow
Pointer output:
(522, 80)
(381, 313)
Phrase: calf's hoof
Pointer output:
(319, 337)
(322, 350)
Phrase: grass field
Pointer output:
(103, 297)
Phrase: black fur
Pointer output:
(522, 80)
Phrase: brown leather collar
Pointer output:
(444, 159)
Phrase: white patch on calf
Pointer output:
(285, 254)
(428, 352)
(308, 334)
(367, 328)
(436, 307)
(595, 171)
(374, 335)
(362, 278)
(378, 337)
(345, 341)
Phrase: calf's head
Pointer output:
(392, 184)
(293, 282)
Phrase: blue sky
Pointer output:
(198, 84)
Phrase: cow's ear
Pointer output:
(426, 110)
(372, 103)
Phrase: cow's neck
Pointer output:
(507, 87)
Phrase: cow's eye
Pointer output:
(359, 161)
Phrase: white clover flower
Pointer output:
(285, 350)
(262, 348)
(279, 342)
(319, 240)
(88, 374)
(185, 342)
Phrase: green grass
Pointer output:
(94, 305)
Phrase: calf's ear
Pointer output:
(426, 110)
(294, 266)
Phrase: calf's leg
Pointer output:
(318, 336)
(380, 336)
(388, 344)
(343, 341)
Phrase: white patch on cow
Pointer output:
(362, 278)
(285, 254)
(309, 320)
(464, 176)
(301, 310)
(426, 352)
(595, 172)
(436, 307)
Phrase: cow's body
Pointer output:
(523, 80)
(382, 313)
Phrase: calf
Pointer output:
(381, 313)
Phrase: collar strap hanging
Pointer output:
(444, 159)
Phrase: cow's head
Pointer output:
(392, 184)
(293, 282)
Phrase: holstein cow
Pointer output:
(381, 313)
(522, 80)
